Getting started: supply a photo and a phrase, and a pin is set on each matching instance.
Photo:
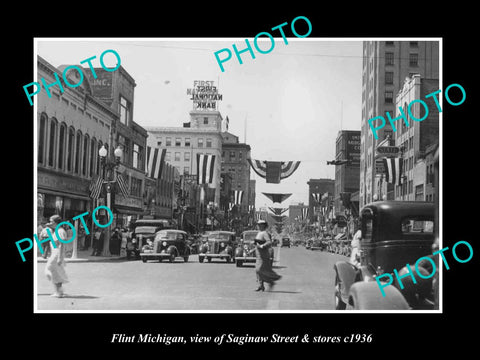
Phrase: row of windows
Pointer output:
(66, 149)
(233, 155)
(178, 156)
(186, 142)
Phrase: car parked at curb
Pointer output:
(394, 233)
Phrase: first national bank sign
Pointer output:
(204, 95)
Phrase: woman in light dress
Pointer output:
(263, 264)
(55, 267)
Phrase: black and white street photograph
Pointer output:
(280, 173)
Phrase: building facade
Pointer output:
(202, 135)
(386, 64)
(417, 140)
(234, 162)
(347, 176)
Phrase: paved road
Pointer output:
(306, 284)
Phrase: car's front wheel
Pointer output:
(239, 263)
(172, 257)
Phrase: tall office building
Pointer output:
(386, 64)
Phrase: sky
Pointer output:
(288, 104)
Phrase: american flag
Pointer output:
(155, 161)
(96, 187)
(205, 168)
(393, 170)
(238, 196)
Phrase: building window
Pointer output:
(419, 193)
(77, 152)
(389, 58)
(389, 43)
(136, 187)
(200, 143)
(168, 141)
(159, 143)
(205, 120)
(137, 156)
(413, 43)
(186, 170)
(93, 155)
(187, 141)
(177, 156)
(41, 137)
(125, 107)
(178, 142)
(232, 155)
(52, 143)
(85, 167)
(61, 145)
(71, 141)
(240, 156)
(389, 97)
(209, 143)
(167, 156)
(389, 77)
(413, 60)
(223, 154)
(186, 156)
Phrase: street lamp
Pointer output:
(108, 168)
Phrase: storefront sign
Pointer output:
(353, 148)
(204, 95)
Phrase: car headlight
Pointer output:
(164, 243)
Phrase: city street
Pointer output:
(306, 284)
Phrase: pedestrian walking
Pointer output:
(55, 267)
(115, 242)
(354, 256)
(43, 235)
(97, 245)
(263, 264)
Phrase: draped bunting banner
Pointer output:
(277, 198)
(155, 161)
(393, 170)
(238, 196)
(278, 211)
(274, 171)
(317, 197)
(205, 167)
(278, 218)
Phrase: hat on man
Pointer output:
(54, 220)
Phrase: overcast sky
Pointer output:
(292, 101)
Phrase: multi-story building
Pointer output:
(416, 140)
(347, 176)
(386, 64)
(234, 162)
(202, 135)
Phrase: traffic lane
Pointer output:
(307, 284)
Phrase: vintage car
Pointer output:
(318, 244)
(218, 245)
(143, 231)
(286, 242)
(245, 252)
(394, 233)
(168, 244)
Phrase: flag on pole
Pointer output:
(122, 184)
(205, 168)
(304, 213)
(317, 197)
(155, 161)
(238, 197)
(96, 187)
(393, 170)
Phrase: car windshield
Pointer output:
(250, 236)
(225, 237)
(145, 229)
(167, 235)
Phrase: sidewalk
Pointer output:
(85, 256)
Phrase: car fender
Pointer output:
(172, 249)
(238, 252)
(346, 274)
(367, 296)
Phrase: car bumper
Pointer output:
(246, 258)
(207, 255)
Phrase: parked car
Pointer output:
(144, 230)
(168, 244)
(318, 244)
(245, 251)
(394, 233)
(218, 245)
(286, 242)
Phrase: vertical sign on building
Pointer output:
(353, 148)
(204, 95)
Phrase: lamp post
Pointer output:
(109, 165)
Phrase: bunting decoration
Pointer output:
(317, 197)
(155, 161)
(304, 213)
(393, 170)
(277, 197)
(274, 171)
(238, 197)
(205, 167)
(278, 211)
(278, 218)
